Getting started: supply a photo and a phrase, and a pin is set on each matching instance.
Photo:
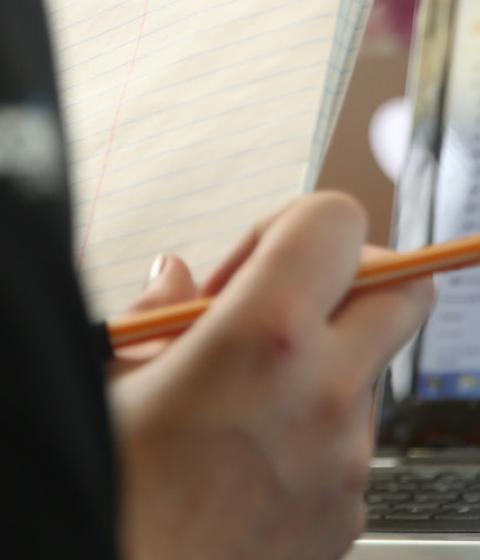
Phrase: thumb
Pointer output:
(169, 282)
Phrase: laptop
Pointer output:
(423, 498)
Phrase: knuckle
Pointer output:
(358, 471)
(265, 334)
(371, 365)
(424, 295)
(345, 207)
(277, 329)
(334, 403)
(410, 306)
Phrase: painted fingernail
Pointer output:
(157, 267)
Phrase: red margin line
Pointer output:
(111, 138)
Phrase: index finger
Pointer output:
(305, 260)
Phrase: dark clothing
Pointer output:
(58, 483)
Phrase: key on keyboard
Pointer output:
(421, 501)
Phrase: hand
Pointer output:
(248, 437)
(169, 282)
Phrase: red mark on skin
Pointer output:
(278, 348)
(111, 137)
(283, 345)
(273, 350)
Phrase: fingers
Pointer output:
(170, 282)
(372, 327)
(224, 273)
(312, 252)
(305, 260)
(240, 254)
(274, 306)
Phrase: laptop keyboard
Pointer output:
(419, 501)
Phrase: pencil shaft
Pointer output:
(393, 269)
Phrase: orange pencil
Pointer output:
(393, 269)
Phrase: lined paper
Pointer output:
(189, 121)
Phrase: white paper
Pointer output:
(190, 120)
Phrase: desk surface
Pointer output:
(425, 547)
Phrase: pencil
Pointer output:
(393, 269)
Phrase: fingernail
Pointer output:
(157, 267)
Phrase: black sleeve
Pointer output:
(58, 484)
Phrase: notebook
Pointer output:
(189, 121)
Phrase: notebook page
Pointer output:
(188, 122)
(348, 40)
(352, 20)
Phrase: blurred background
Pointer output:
(380, 76)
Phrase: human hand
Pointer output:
(249, 436)
(169, 282)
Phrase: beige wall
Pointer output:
(350, 165)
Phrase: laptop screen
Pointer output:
(431, 397)
(448, 364)
(448, 361)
